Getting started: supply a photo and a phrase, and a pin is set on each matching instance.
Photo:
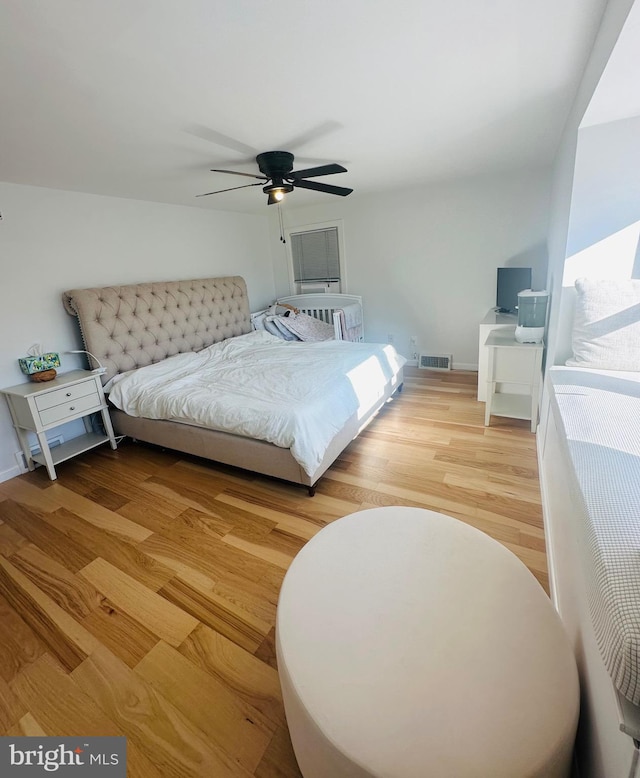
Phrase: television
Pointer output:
(511, 280)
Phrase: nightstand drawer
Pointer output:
(65, 394)
(70, 408)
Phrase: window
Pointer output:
(316, 258)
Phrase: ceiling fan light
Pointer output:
(276, 190)
(278, 186)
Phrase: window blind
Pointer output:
(315, 255)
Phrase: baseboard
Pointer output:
(12, 472)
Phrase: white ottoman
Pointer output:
(411, 645)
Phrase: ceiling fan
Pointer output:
(278, 177)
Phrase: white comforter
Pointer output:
(295, 395)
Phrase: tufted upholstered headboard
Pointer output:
(133, 326)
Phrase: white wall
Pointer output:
(424, 260)
(606, 186)
(52, 240)
(604, 223)
(558, 337)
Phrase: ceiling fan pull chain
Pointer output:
(281, 223)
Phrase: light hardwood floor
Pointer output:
(138, 592)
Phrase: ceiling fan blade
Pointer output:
(206, 133)
(318, 187)
(322, 170)
(219, 191)
(308, 160)
(238, 173)
(324, 128)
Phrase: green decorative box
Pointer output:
(31, 365)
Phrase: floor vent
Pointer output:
(435, 361)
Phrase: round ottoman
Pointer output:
(411, 645)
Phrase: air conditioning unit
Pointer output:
(435, 361)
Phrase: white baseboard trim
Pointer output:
(465, 366)
(12, 472)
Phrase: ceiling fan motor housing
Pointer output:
(275, 164)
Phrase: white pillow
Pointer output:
(606, 326)
(257, 320)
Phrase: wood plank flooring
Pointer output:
(138, 592)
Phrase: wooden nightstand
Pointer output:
(40, 407)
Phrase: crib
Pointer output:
(344, 311)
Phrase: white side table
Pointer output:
(517, 364)
(491, 322)
(38, 407)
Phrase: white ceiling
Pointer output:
(139, 98)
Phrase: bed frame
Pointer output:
(127, 327)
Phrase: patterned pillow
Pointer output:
(306, 327)
(275, 325)
(606, 327)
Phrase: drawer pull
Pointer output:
(68, 394)
(72, 407)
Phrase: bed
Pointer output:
(134, 327)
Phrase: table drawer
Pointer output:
(71, 408)
(65, 394)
